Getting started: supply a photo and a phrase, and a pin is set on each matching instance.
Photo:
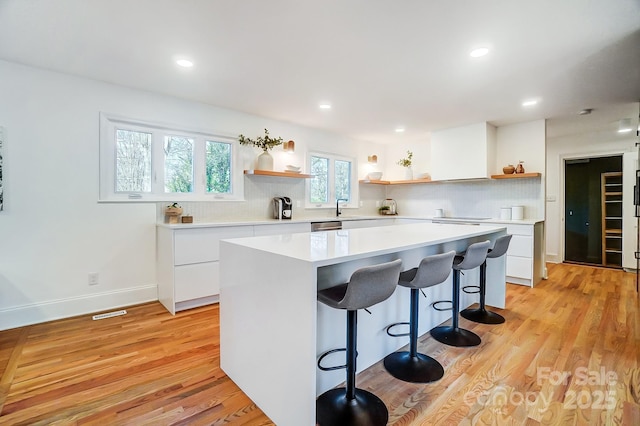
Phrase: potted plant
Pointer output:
(384, 209)
(406, 163)
(266, 142)
(172, 211)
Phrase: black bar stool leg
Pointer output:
(481, 314)
(412, 366)
(454, 335)
(350, 406)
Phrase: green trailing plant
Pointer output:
(406, 162)
(174, 206)
(265, 142)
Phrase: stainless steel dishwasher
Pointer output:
(330, 225)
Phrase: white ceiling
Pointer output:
(380, 63)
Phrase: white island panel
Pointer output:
(273, 329)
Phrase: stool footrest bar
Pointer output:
(434, 304)
(397, 334)
(332, 351)
(476, 289)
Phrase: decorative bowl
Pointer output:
(291, 168)
(508, 170)
(375, 175)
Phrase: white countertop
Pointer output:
(247, 222)
(329, 247)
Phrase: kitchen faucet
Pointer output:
(338, 212)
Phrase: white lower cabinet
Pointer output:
(188, 260)
(365, 223)
(196, 281)
(187, 264)
(281, 228)
(525, 257)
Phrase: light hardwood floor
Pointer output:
(151, 368)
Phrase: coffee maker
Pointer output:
(282, 208)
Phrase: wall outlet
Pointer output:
(93, 278)
(378, 203)
(297, 203)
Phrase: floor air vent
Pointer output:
(109, 315)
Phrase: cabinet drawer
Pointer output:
(521, 245)
(198, 245)
(280, 228)
(519, 267)
(195, 281)
(365, 223)
(520, 229)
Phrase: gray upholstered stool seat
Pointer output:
(367, 286)
(481, 314)
(412, 366)
(454, 335)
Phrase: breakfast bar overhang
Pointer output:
(272, 329)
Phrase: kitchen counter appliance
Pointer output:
(282, 208)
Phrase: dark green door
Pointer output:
(583, 218)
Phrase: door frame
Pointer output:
(561, 200)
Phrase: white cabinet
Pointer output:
(188, 260)
(466, 152)
(629, 221)
(365, 223)
(187, 264)
(281, 228)
(525, 257)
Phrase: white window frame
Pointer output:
(354, 202)
(109, 123)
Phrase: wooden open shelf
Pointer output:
(277, 174)
(517, 176)
(395, 182)
(414, 181)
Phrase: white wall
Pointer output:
(54, 232)
(575, 145)
(521, 142)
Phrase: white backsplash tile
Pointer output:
(474, 198)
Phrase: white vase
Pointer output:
(265, 161)
(408, 173)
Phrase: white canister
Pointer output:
(505, 213)
(438, 213)
(517, 212)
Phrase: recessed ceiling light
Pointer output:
(399, 129)
(324, 106)
(585, 111)
(530, 102)
(480, 51)
(185, 63)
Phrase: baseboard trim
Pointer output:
(35, 313)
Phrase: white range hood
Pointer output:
(466, 152)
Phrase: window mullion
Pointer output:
(199, 169)
(157, 163)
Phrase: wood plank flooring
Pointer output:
(551, 363)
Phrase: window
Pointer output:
(152, 162)
(334, 179)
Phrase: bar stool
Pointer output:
(453, 335)
(412, 366)
(481, 314)
(351, 406)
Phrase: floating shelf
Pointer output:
(395, 182)
(414, 181)
(517, 176)
(277, 174)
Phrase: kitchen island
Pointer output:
(272, 328)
